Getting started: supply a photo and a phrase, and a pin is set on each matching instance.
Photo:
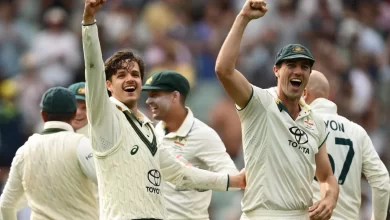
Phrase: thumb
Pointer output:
(314, 206)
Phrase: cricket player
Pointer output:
(283, 140)
(351, 154)
(52, 169)
(80, 122)
(192, 141)
(129, 164)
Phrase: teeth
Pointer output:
(130, 87)
(296, 80)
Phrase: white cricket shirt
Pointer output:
(53, 171)
(129, 165)
(197, 144)
(279, 154)
(83, 130)
(351, 153)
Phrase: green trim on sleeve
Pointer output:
(324, 140)
(94, 22)
(250, 98)
(228, 182)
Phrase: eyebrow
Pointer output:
(120, 71)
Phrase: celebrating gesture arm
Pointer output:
(235, 84)
(90, 9)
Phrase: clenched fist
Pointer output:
(254, 9)
(90, 9)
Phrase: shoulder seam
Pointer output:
(250, 99)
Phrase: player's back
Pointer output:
(344, 148)
(55, 185)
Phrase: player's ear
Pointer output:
(304, 94)
(44, 117)
(276, 71)
(176, 96)
(109, 85)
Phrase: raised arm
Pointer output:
(378, 178)
(99, 108)
(235, 84)
(179, 174)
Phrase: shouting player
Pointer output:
(283, 140)
(129, 164)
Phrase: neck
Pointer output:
(175, 119)
(134, 109)
(292, 105)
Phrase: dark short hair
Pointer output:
(59, 117)
(115, 62)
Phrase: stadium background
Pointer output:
(40, 47)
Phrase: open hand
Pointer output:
(254, 9)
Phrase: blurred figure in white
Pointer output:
(57, 49)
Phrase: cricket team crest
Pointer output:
(309, 123)
(298, 49)
(180, 141)
(81, 91)
(149, 81)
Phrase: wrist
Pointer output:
(88, 19)
(330, 196)
(243, 18)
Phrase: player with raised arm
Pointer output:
(283, 139)
(129, 164)
(351, 154)
(52, 169)
(192, 141)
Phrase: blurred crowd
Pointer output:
(40, 47)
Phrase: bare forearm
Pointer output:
(330, 189)
(230, 50)
(88, 19)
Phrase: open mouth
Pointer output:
(296, 83)
(129, 88)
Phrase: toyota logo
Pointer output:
(154, 177)
(300, 135)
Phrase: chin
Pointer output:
(295, 95)
(156, 117)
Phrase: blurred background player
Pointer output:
(52, 169)
(279, 131)
(193, 142)
(129, 163)
(351, 154)
(80, 122)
